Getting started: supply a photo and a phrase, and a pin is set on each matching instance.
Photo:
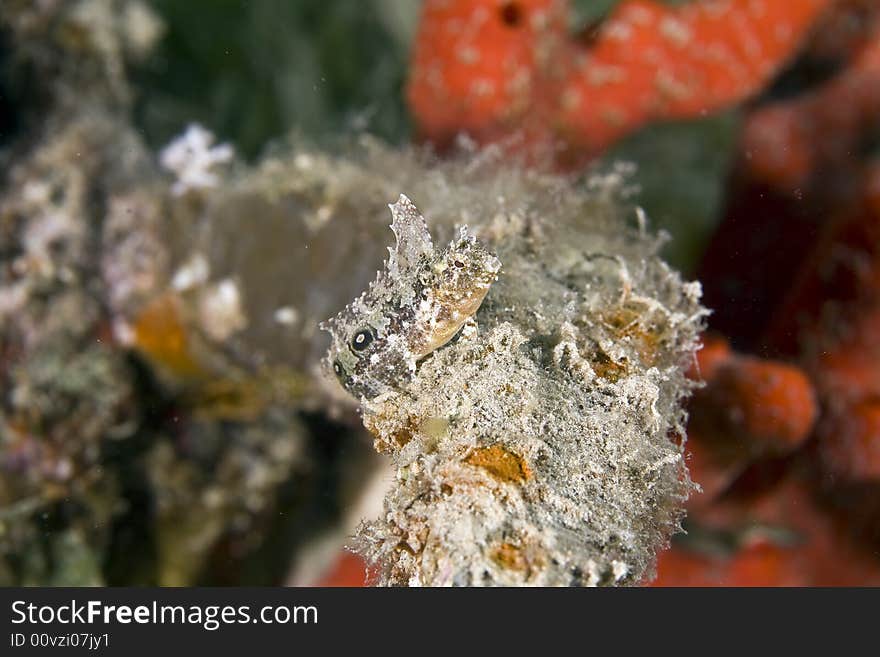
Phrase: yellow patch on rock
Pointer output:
(500, 463)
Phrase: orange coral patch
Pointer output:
(500, 463)
(497, 69)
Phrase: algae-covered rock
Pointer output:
(542, 445)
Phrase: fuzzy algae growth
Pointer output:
(541, 444)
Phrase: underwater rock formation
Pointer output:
(541, 444)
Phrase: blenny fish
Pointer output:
(418, 302)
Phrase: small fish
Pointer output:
(417, 303)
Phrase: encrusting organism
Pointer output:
(498, 70)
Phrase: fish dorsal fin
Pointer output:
(414, 244)
(395, 282)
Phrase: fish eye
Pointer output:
(337, 368)
(361, 339)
